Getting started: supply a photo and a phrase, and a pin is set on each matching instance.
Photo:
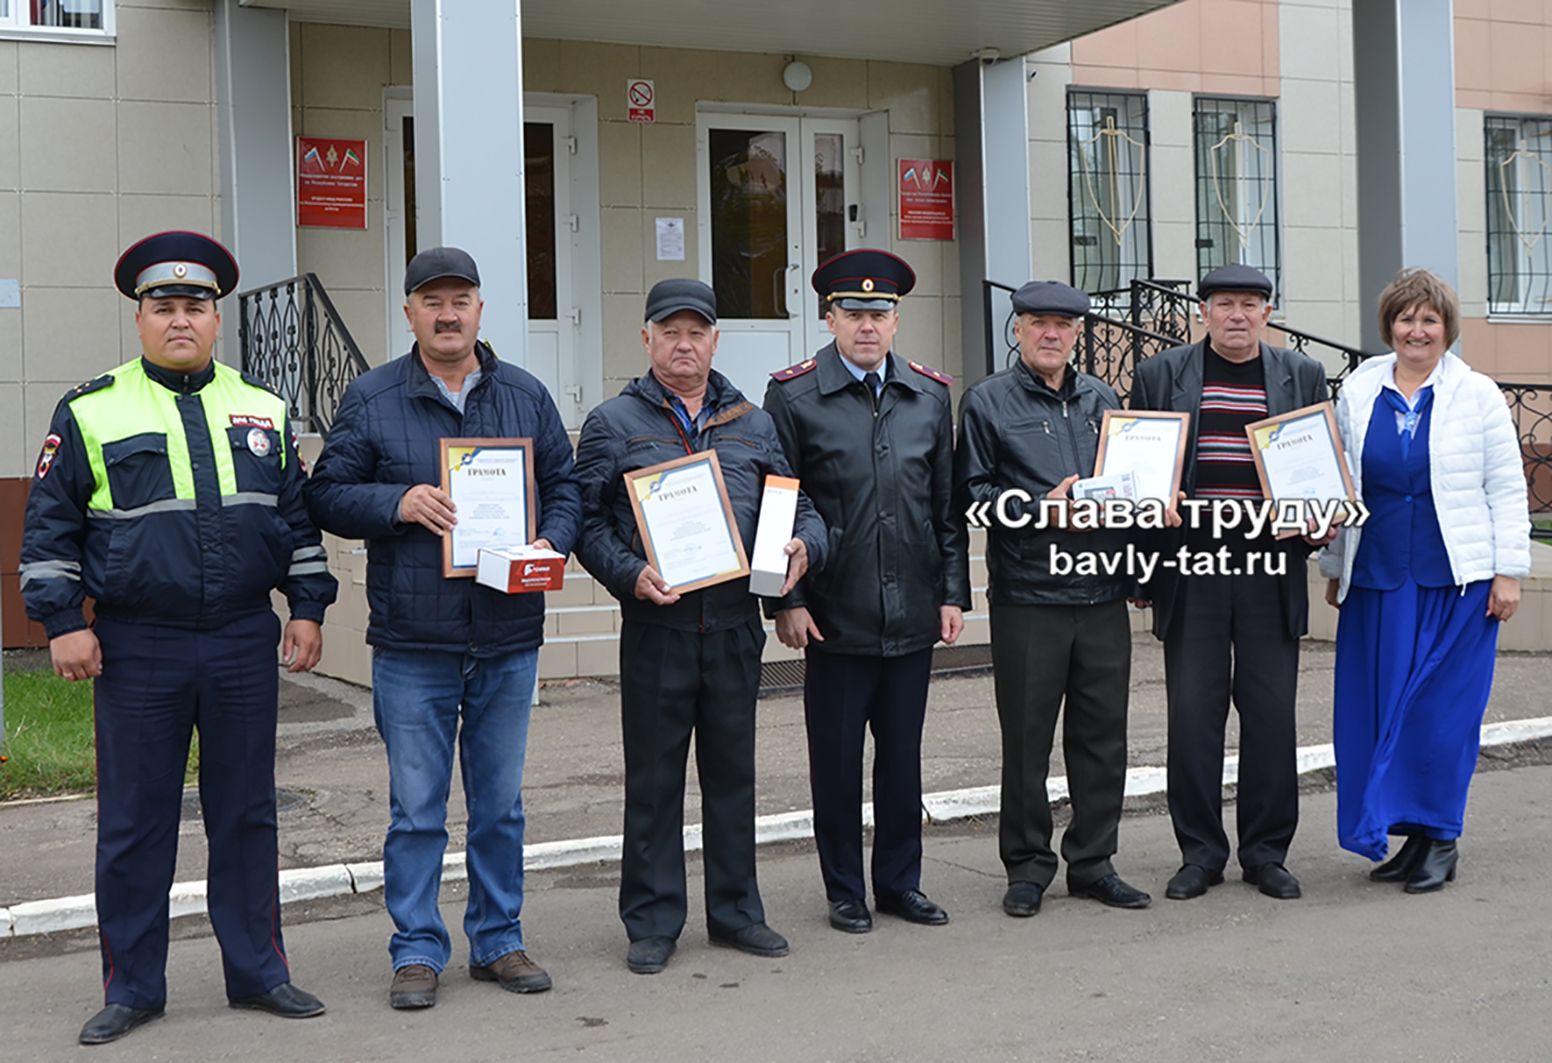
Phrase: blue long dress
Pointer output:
(1414, 654)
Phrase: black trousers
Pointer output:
(157, 685)
(1229, 640)
(1077, 661)
(674, 683)
(845, 696)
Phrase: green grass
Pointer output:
(49, 740)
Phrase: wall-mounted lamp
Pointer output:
(797, 76)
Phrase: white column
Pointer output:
(468, 68)
(991, 143)
(1404, 90)
(253, 95)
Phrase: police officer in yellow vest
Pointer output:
(169, 491)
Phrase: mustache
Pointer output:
(455, 326)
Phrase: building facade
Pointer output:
(586, 150)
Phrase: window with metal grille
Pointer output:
(1107, 189)
(1518, 158)
(1236, 185)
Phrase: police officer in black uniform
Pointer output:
(169, 491)
(1061, 644)
(870, 436)
(689, 660)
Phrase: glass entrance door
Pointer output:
(552, 225)
(778, 195)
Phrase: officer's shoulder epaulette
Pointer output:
(94, 384)
(792, 372)
(249, 378)
(932, 374)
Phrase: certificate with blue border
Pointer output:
(686, 522)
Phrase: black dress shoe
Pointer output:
(1436, 867)
(1274, 880)
(114, 1021)
(285, 1000)
(852, 917)
(912, 906)
(1399, 868)
(757, 939)
(650, 955)
(1114, 892)
(1023, 899)
(1192, 880)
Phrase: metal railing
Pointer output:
(294, 340)
(1130, 324)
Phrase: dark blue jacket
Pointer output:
(636, 429)
(385, 440)
(145, 549)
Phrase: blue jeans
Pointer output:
(417, 698)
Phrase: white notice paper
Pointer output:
(670, 239)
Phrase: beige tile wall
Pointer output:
(99, 145)
(646, 171)
(1503, 63)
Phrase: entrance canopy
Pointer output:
(907, 31)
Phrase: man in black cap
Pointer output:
(170, 491)
(689, 660)
(1058, 641)
(1231, 634)
(446, 650)
(870, 436)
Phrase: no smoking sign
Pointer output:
(641, 100)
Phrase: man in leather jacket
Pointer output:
(870, 435)
(1056, 637)
(689, 661)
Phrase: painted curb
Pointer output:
(338, 880)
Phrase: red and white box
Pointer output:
(521, 570)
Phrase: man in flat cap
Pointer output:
(1231, 635)
(1061, 644)
(871, 435)
(689, 659)
(446, 649)
(170, 491)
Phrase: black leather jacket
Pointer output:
(636, 429)
(1014, 431)
(883, 484)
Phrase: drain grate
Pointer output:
(785, 677)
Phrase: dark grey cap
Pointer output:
(1050, 297)
(1235, 278)
(669, 297)
(435, 263)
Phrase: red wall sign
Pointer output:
(331, 182)
(926, 199)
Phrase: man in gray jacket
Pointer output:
(1055, 637)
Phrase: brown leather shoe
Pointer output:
(413, 987)
(516, 973)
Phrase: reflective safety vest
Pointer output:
(179, 507)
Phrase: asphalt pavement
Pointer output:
(1354, 971)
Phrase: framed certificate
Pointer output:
(491, 482)
(1148, 444)
(686, 522)
(1299, 455)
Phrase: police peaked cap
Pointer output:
(864, 279)
(176, 263)
(1050, 297)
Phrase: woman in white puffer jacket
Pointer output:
(1423, 585)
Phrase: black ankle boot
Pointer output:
(1399, 868)
(1435, 868)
